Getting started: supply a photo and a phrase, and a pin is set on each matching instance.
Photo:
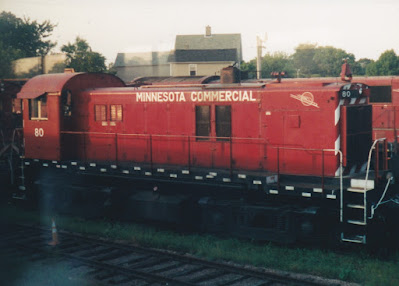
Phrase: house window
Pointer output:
(100, 112)
(192, 69)
(202, 121)
(38, 108)
(116, 113)
(223, 121)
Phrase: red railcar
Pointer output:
(279, 140)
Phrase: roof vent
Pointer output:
(208, 32)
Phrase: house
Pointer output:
(205, 54)
(29, 67)
(129, 66)
(194, 55)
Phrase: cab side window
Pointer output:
(66, 100)
(380, 94)
(38, 108)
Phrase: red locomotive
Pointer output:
(265, 160)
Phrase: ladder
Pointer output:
(355, 211)
(20, 194)
(354, 206)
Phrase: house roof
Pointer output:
(213, 42)
(142, 59)
(219, 55)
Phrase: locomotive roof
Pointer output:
(41, 84)
(197, 87)
(369, 80)
(54, 83)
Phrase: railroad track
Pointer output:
(109, 263)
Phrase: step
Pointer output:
(19, 197)
(357, 222)
(354, 239)
(357, 190)
(354, 206)
(361, 183)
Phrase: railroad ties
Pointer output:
(88, 259)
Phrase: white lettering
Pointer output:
(39, 132)
(194, 96)
(197, 96)
(221, 95)
(245, 96)
(250, 96)
(235, 95)
(228, 95)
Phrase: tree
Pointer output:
(328, 60)
(360, 66)
(81, 58)
(277, 62)
(21, 38)
(249, 69)
(303, 59)
(387, 64)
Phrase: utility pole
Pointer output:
(259, 47)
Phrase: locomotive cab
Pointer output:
(47, 104)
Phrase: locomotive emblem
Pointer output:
(306, 98)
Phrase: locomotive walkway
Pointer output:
(100, 262)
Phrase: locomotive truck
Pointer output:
(269, 161)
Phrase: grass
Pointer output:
(357, 267)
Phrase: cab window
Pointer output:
(380, 94)
(66, 100)
(116, 113)
(100, 112)
(38, 108)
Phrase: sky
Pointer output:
(365, 28)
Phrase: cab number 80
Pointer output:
(39, 132)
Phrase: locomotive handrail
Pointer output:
(367, 172)
(228, 140)
(320, 150)
(341, 185)
(159, 135)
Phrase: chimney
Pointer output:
(208, 32)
